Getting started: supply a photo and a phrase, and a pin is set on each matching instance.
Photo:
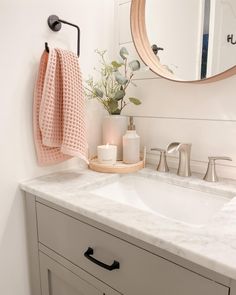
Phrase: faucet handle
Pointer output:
(162, 166)
(158, 150)
(219, 158)
(211, 175)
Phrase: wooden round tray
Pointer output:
(119, 167)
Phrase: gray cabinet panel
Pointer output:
(57, 280)
(140, 271)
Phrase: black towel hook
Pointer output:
(155, 49)
(54, 23)
(46, 46)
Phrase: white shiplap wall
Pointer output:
(204, 115)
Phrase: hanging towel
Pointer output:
(59, 109)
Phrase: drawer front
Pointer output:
(140, 272)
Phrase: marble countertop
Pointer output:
(212, 246)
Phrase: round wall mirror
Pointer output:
(186, 40)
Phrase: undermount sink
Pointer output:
(178, 203)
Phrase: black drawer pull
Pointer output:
(114, 265)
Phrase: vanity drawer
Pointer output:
(140, 271)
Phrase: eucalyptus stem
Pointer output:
(125, 104)
(126, 67)
(115, 78)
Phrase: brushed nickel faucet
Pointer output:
(184, 150)
(162, 166)
(211, 175)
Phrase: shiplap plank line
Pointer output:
(196, 162)
(162, 98)
(122, 2)
(126, 43)
(207, 138)
(179, 118)
(153, 78)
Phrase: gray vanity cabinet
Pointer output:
(59, 242)
(58, 280)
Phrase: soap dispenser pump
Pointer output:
(131, 144)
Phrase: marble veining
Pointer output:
(212, 246)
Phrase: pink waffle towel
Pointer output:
(59, 109)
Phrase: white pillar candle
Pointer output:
(107, 154)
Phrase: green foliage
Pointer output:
(122, 80)
(120, 94)
(135, 101)
(134, 65)
(116, 64)
(98, 92)
(115, 77)
(113, 105)
(124, 53)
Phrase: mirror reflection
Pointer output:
(193, 39)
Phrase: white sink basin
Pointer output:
(171, 201)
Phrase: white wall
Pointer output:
(23, 31)
(222, 55)
(183, 44)
(204, 115)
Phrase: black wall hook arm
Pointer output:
(46, 47)
(54, 23)
(78, 33)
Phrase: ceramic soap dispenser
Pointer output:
(131, 144)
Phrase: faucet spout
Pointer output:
(184, 150)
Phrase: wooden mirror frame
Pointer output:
(143, 47)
